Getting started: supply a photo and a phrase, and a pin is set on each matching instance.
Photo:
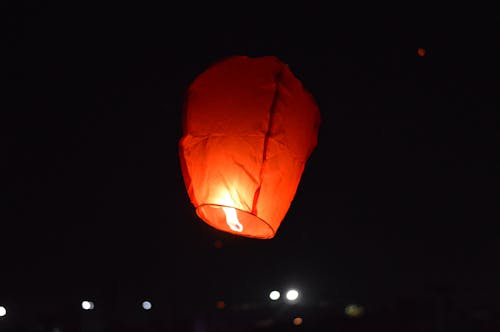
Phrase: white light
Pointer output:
(3, 311)
(87, 305)
(274, 295)
(232, 219)
(231, 216)
(292, 294)
(146, 305)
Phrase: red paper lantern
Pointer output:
(249, 127)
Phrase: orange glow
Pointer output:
(297, 321)
(421, 52)
(249, 127)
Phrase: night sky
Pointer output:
(396, 209)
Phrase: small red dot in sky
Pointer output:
(421, 51)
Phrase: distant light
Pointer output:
(421, 51)
(146, 305)
(292, 294)
(274, 295)
(87, 305)
(297, 321)
(354, 310)
(220, 305)
(3, 311)
(218, 244)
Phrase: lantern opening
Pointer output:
(234, 220)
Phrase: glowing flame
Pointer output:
(232, 219)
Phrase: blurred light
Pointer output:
(3, 311)
(292, 294)
(220, 304)
(297, 321)
(354, 310)
(146, 305)
(87, 305)
(421, 51)
(274, 295)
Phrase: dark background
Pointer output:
(397, 206)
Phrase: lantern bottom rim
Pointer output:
(251, 225)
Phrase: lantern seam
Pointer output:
(272, 111)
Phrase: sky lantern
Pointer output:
(249, 127)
